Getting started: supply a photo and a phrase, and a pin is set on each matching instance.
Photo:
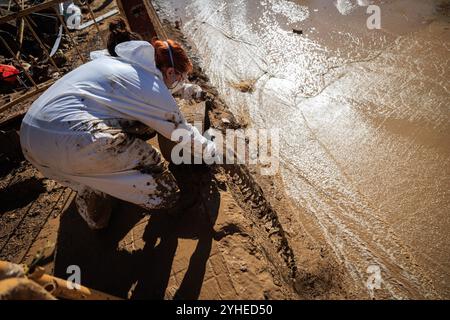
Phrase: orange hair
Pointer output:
(181, 61)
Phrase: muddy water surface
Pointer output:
(364, 118)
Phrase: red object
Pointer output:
(8, 73)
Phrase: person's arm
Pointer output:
(147, 100)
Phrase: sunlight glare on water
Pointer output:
(364, 116)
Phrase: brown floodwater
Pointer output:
(364, 118)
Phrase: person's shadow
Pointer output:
(143, 273)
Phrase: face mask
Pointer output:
(179, 84)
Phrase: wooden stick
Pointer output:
(21, 29)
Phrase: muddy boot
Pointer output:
(94, 207)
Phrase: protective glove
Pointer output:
(190, 91)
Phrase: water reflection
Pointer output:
(364, 117)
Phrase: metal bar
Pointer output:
(27, 11)
(95, 22)
(72, 40)
(18, 61)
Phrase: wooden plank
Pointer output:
(137, 17)
(156, 22)
(29, 10)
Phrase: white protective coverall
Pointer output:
(74, 134)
